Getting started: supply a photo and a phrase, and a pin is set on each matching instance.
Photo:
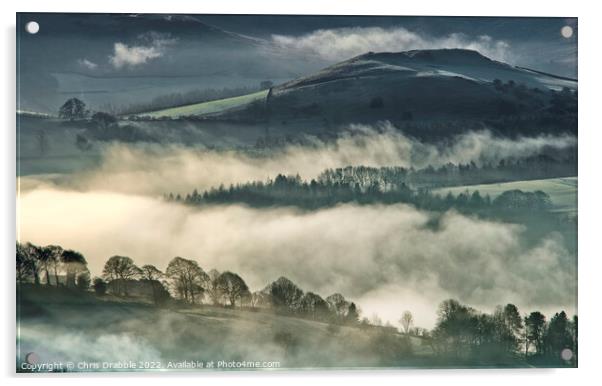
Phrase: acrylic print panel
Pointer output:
(231, 192)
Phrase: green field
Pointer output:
(209, 107)
(562, 191)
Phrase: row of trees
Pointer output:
(461, 332)
(535, 167)
(293, 191)
(183, 279)
(464, 332)
(51, 265)
(188, 282)
(287, 298)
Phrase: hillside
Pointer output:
(415, 90)
(562, 191)
(124, 329)
(425, 85)
(210, 107)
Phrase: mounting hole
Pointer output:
(32, 27)
(566, 31)
(566, 354)
(32, 358)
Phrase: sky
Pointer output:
(123, 58)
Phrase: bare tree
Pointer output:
(120, 269)
(55, 252)
(188, 279)
(406, 321)
(213, 289)
(232, 286)
(73, 263)
(153, 275)
(50, 259)
(338, 305)
(25, 264)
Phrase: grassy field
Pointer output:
(209, 107)
(562, 191)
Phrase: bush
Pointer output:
(83, 281)
(100, 286)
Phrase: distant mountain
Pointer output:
(420, 85)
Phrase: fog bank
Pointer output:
(157, 169)
(386, 257)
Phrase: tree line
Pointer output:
(51, 265)
(360, 189)
(183, 280)
(508, 169)
(461, 333)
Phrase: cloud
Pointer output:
(87, 64)
(344, 43)
(157, 169)
(154, 46)
(385, 257)
(388, 258)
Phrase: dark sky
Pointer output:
(85, 53)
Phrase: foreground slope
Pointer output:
(64, 325)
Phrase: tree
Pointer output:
(153, 275)
(188, 279)
(353, 314)
(54, 254)
(314, 306)
(232, 286)
(514, 324)
(100, 286)
(406, 321)
(457, 326)
(338, 305)
(120, 269)
(74, 263)
(213, 289)
(49, 259)
(83, 280)
(31, 254)
(25, 264)
(558, 336)
(285, 295)
(73, 109)
(104, 120)
(574, 328)
(534, 331)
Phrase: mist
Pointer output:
(343, 43)
(158, 169)
(387, 258)
(384, 257)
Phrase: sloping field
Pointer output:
(63, 325)
(562, 191)
(209, 107)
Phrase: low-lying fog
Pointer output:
(386, 258)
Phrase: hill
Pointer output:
(562, 191)
(417, 91)
(422, 85)
(119, 329)
(210, 107)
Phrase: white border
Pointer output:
(590, 140)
